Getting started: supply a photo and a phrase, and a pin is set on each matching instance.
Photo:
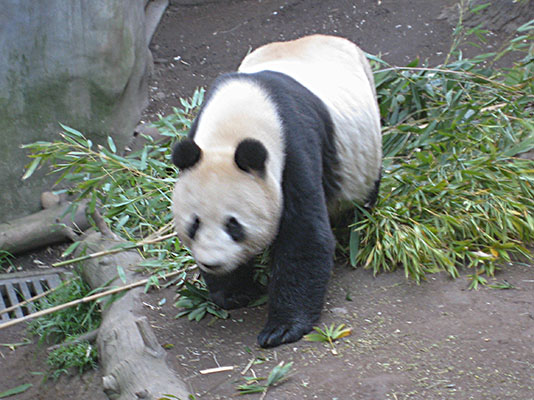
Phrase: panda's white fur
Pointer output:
(226, 120)
(276, 145)
(332, 68)
(335, 70)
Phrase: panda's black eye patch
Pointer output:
(193, 227)
(235, 229)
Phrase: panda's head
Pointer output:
(226, 204)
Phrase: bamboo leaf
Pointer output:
(16, 390)
(72, 131)
(70, 249)
(122, 275)
(31, 169)
(279, 373)
(111, 144)
(522, 147)
(315, 337)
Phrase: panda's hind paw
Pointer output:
(274, 335)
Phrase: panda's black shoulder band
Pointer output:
(251, 155)
(186, 153)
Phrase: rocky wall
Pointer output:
(82, 63)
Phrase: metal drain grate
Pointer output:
(14, 290)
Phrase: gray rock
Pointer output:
(340, 311)
(81, 63)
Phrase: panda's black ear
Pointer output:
(251, 155)
(186, 153)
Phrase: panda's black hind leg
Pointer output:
(234, 290)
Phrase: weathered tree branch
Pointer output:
(132, 360)
(51, 226)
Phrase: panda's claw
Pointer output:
(272, 336)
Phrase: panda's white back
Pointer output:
(337, 72)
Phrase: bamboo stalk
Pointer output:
(248, 366)
(160, 231)
(82, 300)
(217, 369)
(113, 251)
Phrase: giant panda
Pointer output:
(290, 137)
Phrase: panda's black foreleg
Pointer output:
(235, 289)
(302, 262)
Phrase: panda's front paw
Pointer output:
(275, 334)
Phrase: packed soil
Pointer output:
(436, 340)
(196, 43)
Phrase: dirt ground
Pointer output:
(437, 340)
(194, 44)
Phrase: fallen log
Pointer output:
(44, 228)
(132, 360)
